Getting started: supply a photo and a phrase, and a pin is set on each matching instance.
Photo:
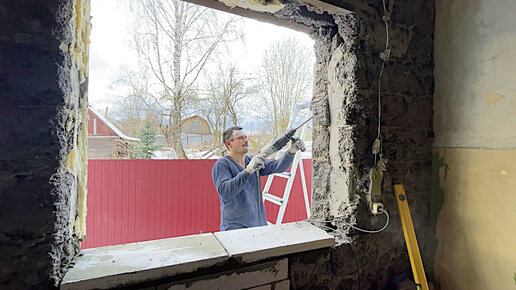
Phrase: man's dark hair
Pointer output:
(227, 134)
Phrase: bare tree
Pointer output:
(221, 102)
(285, 79)
(175, 40)
(139, 104)
(131, 106)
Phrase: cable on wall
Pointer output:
(340, 219)
(384, 55)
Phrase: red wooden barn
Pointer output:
(105, 140)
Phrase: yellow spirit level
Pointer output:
(410, 238)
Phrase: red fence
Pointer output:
(140, 200)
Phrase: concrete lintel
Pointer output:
(254, 244)
(330, 8)
(128, 264)
(260, 16)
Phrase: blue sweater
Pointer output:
(241, 203)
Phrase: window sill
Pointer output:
(129, 264)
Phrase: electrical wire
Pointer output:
(385, 57)
(355, 227)
(328, 228)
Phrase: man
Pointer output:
(236, 181)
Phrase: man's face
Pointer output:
(238, 143)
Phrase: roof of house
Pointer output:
(111, 126)
(190, 116)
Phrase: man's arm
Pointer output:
(280, 165)
(228, 186)
(284, 163)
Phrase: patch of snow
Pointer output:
(168, 153)
(164, 153)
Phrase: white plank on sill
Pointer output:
(254, 244)
(128, 264)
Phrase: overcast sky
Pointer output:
(109, 47)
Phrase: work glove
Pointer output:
(256, 163)
(296, 144)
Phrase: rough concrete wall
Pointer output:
(345, 119)
(320, 134)
(43, 112)
(474, 171)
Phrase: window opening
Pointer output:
(140, 186)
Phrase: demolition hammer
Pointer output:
(276, 144)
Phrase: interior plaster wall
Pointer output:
(477, 221)
(43, 61)
(475, 74)
(475, 146)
